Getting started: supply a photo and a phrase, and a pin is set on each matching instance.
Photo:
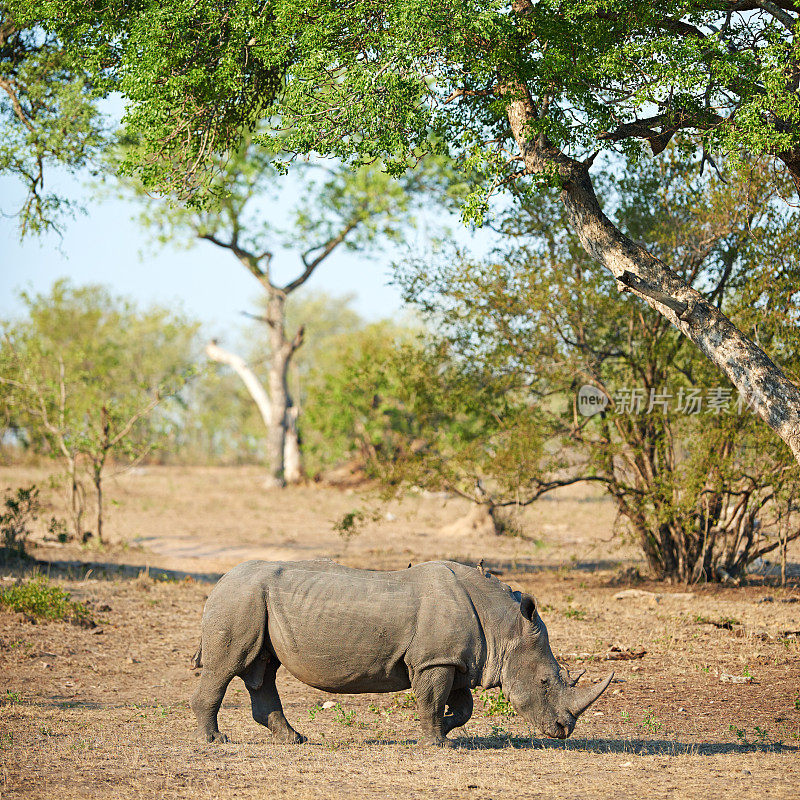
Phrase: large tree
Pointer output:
(521, 90)
(331, 208)
(698, 481)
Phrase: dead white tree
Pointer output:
(292, 462)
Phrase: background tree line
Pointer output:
(694, 107)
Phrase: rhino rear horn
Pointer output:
(573, 681)
(568, 679)
(581, 699)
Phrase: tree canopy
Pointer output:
(391, 79)
(48, 117)
(82, 373)
(516, 90)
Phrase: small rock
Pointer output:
(390, 517)
(627, 764)
(618, 653)
(725, 678)
(97, 631)
(746, 772)
(599, 714)
(681, 709)
(626, 593)
(328, 704)
(767, 599)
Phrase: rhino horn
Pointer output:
(574, 681)
(581, 699)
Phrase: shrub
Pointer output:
(41, 600)
(21, 509)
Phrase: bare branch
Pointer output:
(298, 339)
(250, 260)
(239, 366)
(128, 426)
(327, 249)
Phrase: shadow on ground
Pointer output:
(104, 570)
(79, 570)
(634, 747)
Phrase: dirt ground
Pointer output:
(707, 704)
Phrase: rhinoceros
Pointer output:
(439, 628)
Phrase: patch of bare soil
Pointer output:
(706, 701)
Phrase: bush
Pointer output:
(21, 509)
(41, 600)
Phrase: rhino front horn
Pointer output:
(581, 699)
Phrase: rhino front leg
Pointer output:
(459, 705)
(268, 711)
(432, 688)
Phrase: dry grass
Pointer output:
(103, 713)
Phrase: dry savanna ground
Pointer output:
(707, 704)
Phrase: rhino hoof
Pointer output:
(448, 744)
(291, 737)
(215, 736)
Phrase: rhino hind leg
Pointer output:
(206, 702)
(459, 706)
(432, 687)
(267, 708)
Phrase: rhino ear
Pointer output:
(527, 607)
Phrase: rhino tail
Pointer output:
(197, 658)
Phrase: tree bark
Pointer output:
(761, 382)
(292, 456)
(75, 499)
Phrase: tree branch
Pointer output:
(786, 19)
(250, 260)
(327, 249)
(239, 366)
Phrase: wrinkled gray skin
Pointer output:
(438, 628)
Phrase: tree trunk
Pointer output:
(97, 475)
(277, 410)
(75, 499)
(762, 383)
(292, 456)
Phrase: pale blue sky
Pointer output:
(107, 246)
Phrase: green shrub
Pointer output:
(21, 508)
(496, 705)
(41, 600)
